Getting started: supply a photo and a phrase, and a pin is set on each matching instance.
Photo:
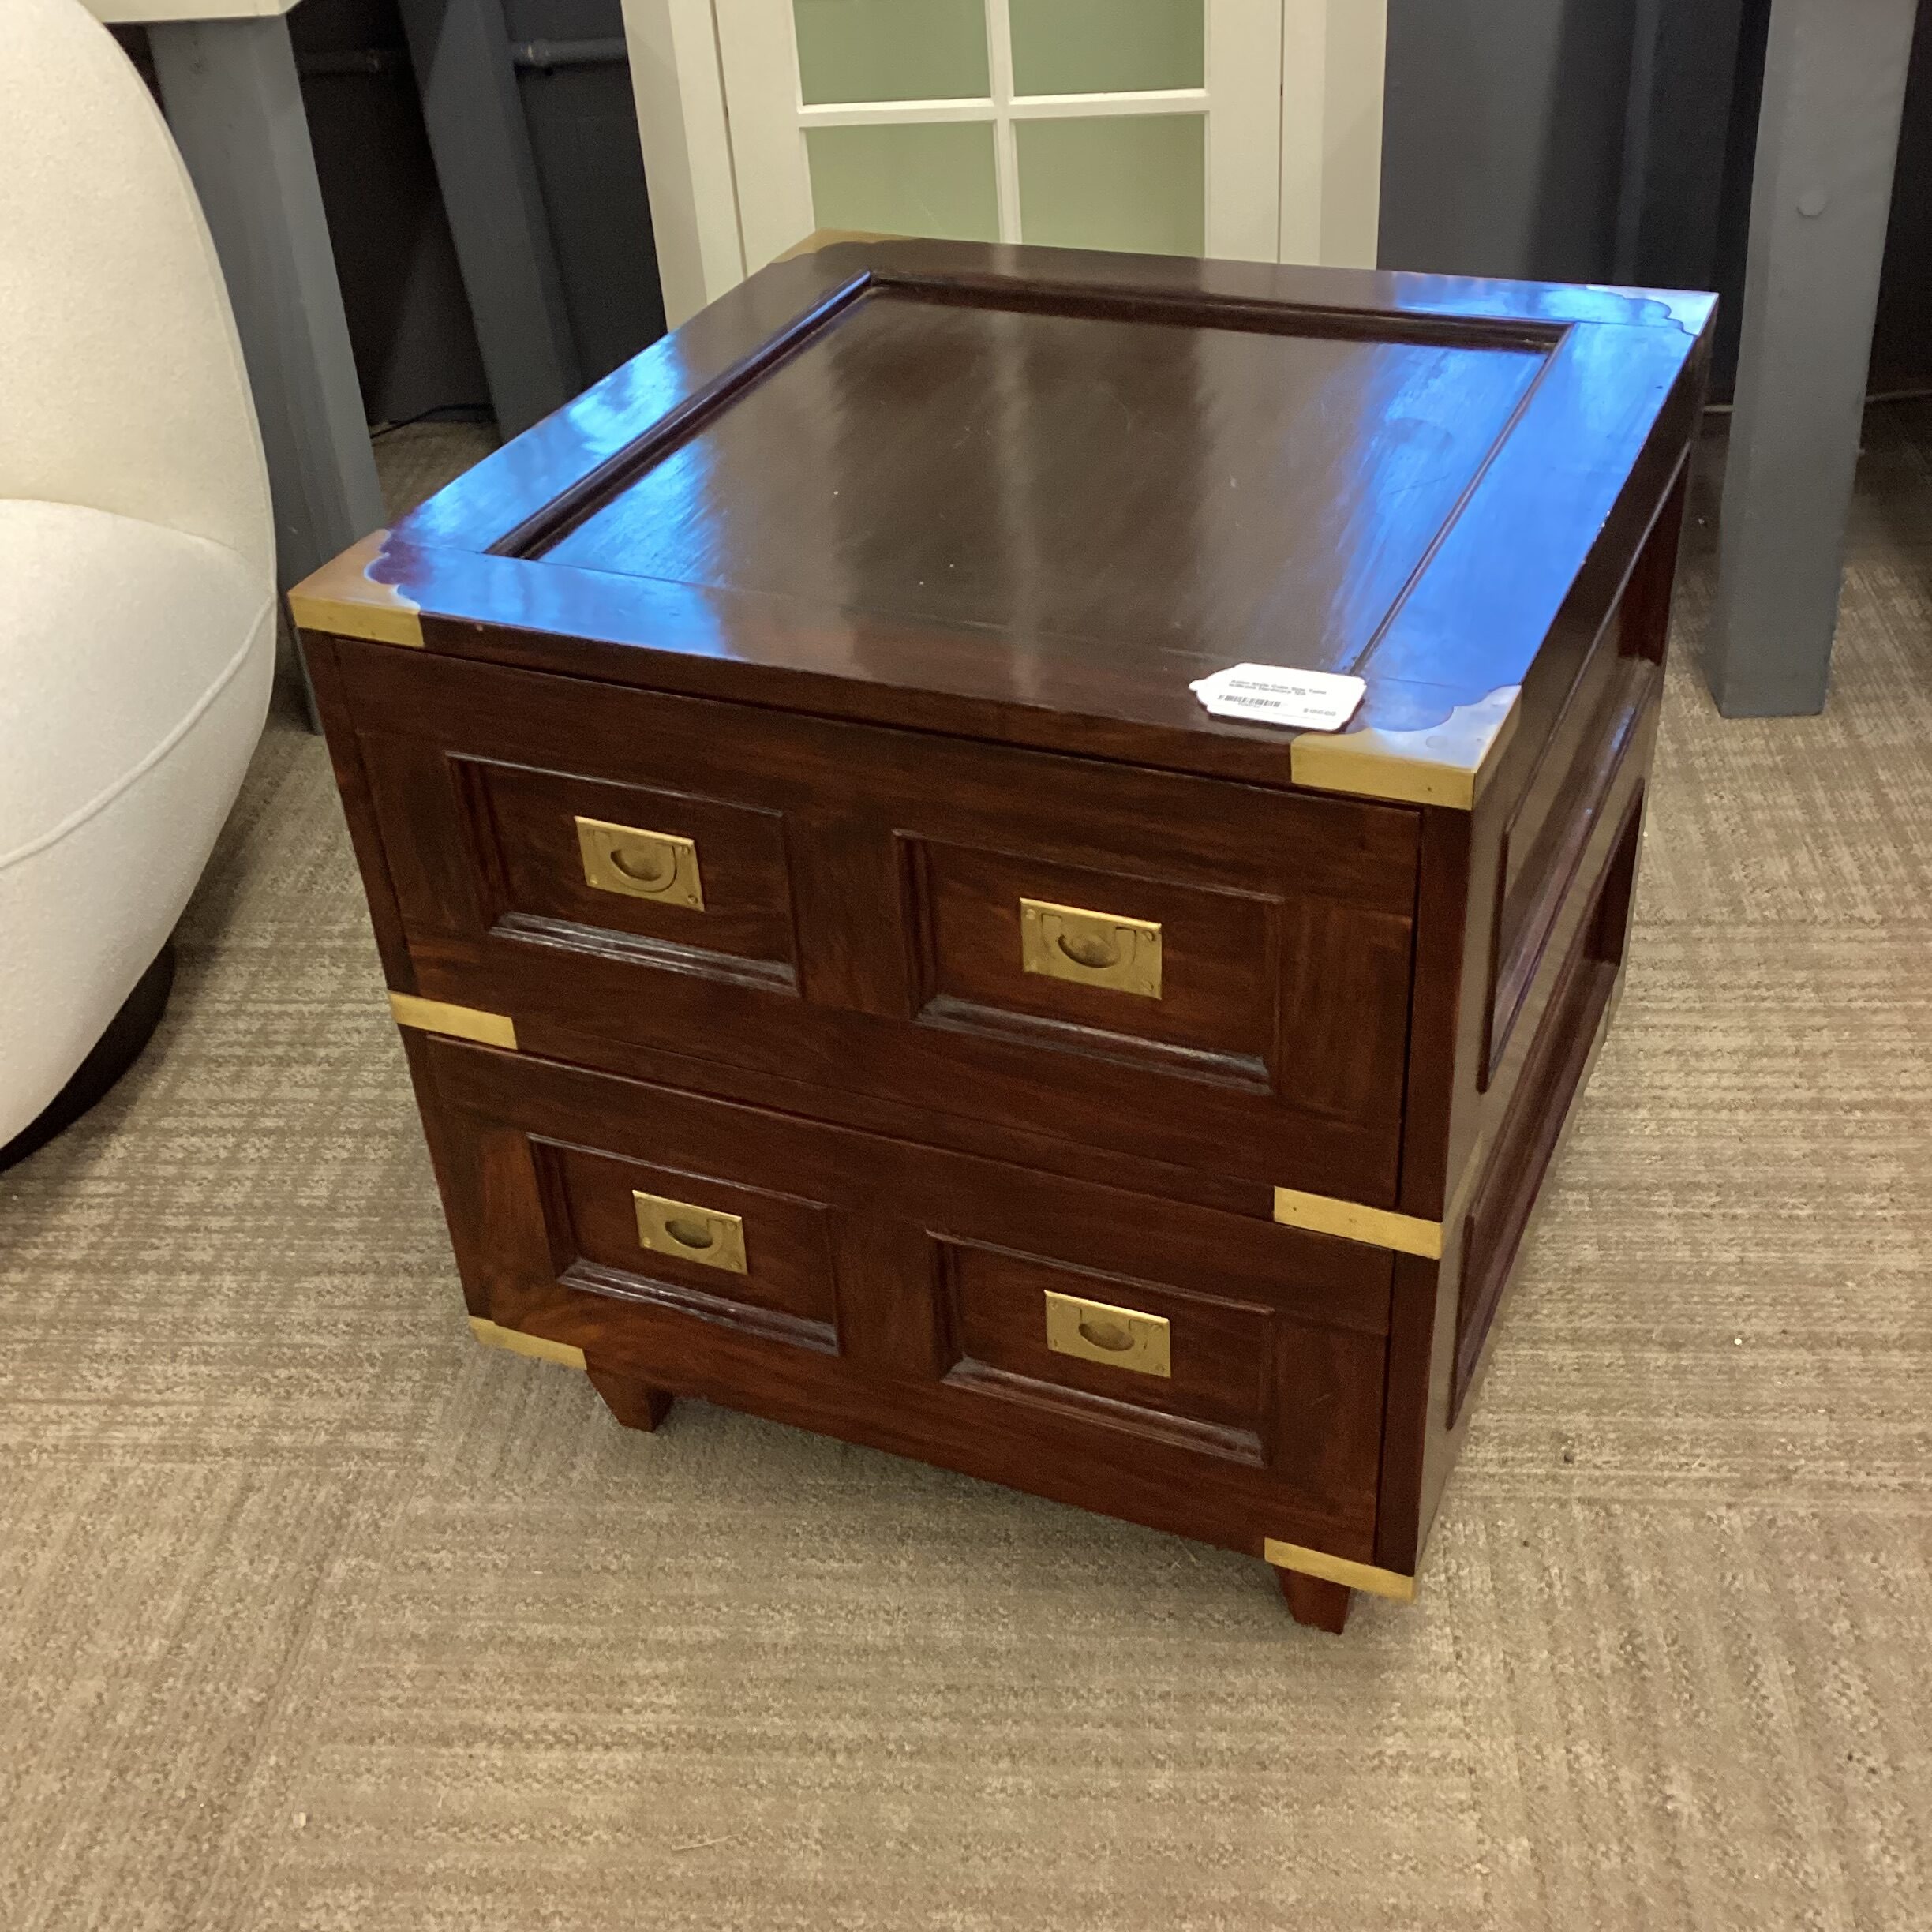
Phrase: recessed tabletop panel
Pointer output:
(1262, 493)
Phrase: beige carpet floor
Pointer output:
(314, 1615)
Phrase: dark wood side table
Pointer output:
(849, 975)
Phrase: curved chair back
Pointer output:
(121, 381)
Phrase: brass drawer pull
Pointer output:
(1122, 1337)
(1091, 949)
(705, 1235)
(658, 865)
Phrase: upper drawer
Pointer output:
(1212, 975)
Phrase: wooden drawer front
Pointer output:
(506, 844)
(1015, 1321)
(711, 1248)
(556, 846)
(1212, 954)
(899, 1295)
(863, 924)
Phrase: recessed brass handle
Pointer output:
(1091, 949)
(653, 867)
(658, 865)
(707, 1236)
(1122, 1337)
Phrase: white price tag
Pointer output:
(1268, 694)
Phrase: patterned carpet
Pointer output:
(313, 1614)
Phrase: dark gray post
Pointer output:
(235, 111)
(1646, 36)
(234, 108)
(1828, 137)
(460, 50)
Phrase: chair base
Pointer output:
(111, 1055)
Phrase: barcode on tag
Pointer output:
(1272, 694)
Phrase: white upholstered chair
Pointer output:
(137, 561)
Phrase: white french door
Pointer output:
(1235, 128)
(1126, 124)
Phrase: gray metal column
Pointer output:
(1685, 59)
(461, 52)
(1646, 38)
(235, 111)
(1828, 137)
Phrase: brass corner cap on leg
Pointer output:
(1377, 1227)
(470, 1022)
(344, 600)
(1364, 1577)
(539, 1348)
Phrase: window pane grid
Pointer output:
(1107, 46)
(889, 49)
(1058, 36)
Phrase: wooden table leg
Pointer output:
(635, 1404)
(1314, 1601)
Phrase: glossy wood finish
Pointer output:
(1227, 484)
(881, 583)
(486, 563)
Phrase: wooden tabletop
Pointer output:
(1039, 493)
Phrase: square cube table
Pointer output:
(849, 975)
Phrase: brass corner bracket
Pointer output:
(539, 1348)
(1364, 1577)
(1444, 763)
(470, 1022)
(343, 599)
(1377, 1227)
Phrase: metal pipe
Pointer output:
(359, 61)
(530, 56)
(544, 56)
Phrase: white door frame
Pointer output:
(1332, 55)
(679, 90)
(1331, 131)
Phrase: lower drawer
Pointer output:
(1204, 1372)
